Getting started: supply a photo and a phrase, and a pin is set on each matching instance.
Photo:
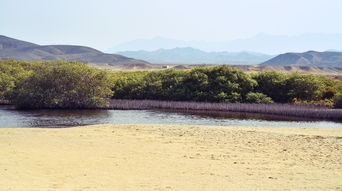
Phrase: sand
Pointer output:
(170, 157)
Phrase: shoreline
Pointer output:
(306, 131)
(291, 112)
(175, 157)
(276, 109)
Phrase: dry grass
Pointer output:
(288, 110)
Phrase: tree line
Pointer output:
(64, 84)
(225, 84)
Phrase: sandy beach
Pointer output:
(170, 157)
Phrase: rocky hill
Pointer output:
(310, 58)
(20, 50)
(10, 43)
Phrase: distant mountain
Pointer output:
(268, 44)
(20, 50)
(310, 58)
(9, 43)
(190, 55)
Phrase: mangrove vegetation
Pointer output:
(63, 84)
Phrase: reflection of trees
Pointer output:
(63, 118)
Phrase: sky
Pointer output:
(104, 23)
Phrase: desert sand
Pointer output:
(170, 157)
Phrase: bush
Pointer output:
(162, 85)
(6, 85)
(253, 97)
(208, 84)
(62, 85)
(305, 87)
(127, 85)
(338, 100)
(75, 85)
(328, 93)
(11, 72)
(273, 84)
(287, 87)
(217, 84)
(322, 102)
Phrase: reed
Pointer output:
(286, 110)
(4, 102)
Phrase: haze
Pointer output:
(103, 24)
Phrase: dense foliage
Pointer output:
(225, 84)
(11, 72)
(215, 84)
(75, 85)
(338, 100)
(59, 85)
(338, 97)
(255, 97)
(286, 88)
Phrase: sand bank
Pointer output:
(170, 157)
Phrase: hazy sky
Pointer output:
(105, 23)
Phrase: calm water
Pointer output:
(69, 118)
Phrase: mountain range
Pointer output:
(16, 49)
(188, 55)
(20, 50)
(264, 43)
(310, 58)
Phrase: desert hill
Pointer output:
(9, 43)
(310, 58)
(20, 50)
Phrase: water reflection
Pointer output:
(65, 118)
(239, 115)
(50, 118)
(9, 117)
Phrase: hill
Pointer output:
(10, 43)
(188, 55)
(310, 58)
(20, 50)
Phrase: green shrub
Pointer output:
(75, 85)
(338, 100)
(328, 92)
(209, 84)
(11, 72)
(273, 84)
(253, 97)
(287, 87)
(127, 85)
(304, 87)
(62, 85)
(217, 84)
(7, 83)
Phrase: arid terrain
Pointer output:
(170, 157)
(333, 72)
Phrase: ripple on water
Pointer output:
(69, 118)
